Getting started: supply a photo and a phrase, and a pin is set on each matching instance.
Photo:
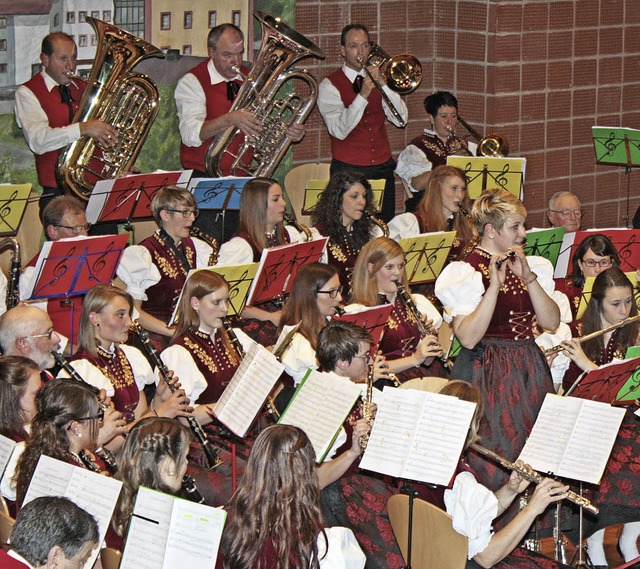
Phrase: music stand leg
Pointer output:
(581, 556)
(558, 537)
(408, 489)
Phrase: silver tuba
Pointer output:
(125, 100)
(233, 154)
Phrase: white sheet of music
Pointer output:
(6, 450)
(418, 435)
(248, 389)
(320, 406)
(168, 532)
(573, 437)
(96, 493)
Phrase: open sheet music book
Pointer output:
(320, 406)
(572, 438)
(6, 450)
(248, 389)
(168, 532)
(418, 435)
(95, 493)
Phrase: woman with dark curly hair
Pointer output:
(275, 519)
(595, 254)
(343, 214)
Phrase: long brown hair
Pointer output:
(15, 372)
(302, 305)
(253, 212)
(279, 500)
(430, 207)
(592, 317)
(464, 391)
(377, 252)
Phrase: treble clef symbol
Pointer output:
(611, 144)
(625, 252)
(501, 178)
(211, 192)
(100, 263)
(61, 268)
(6, 206)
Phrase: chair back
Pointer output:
(295, 183)
(6, 525)
(432, 384)
(110, 558)
(435, 544)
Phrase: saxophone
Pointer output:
(127, 101)
(291, 219)
(211, 241)
(13, 291)
(377, 221)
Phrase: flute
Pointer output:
(210, 453)
(509, 255)
(534, 477)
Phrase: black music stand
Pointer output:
(426, 255)
(407, 489)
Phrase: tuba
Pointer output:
(233, 154)
(125, 100)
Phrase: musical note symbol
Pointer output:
(501, 178)
(61, 267)
(610, 144)
(211, 192)
(6, 206)
(100, 263)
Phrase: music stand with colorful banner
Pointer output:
(488, 172)
(71, 267)
(314, 188)
(129, 198)
(373, 319)
(626, 242)
(279, 267)
(616, 384)
(426, 254)
(544, 243)
(13, 204)
(239, 279)
(588, 287)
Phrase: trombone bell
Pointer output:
(404, 73)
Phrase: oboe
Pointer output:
(533, 477)
(210, 453)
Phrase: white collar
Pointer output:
(215, 77)
(49, 83)
(12, 553)
(351, 73)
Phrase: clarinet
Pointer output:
(210, 453)
(189, 490)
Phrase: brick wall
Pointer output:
(541, 72)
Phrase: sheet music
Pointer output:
(6, 450)
(248, 389)
(573, 437)
(95, 493)
(562, 264)
(320, 407)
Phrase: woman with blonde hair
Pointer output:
(493, 300)
(376, 276)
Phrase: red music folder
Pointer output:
(373, 319)
(617, 384)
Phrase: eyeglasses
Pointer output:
(567, 213)
(46, 335)
(366, 357)
(186, 213)
(333, 293)
(604, 263)
(77, 229)
(98, 417)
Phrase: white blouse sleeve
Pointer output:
(180, 361)
(427, 309)
(91, 374)
(140, 365)
(236, 251)
(459, 288)
(548, 340)
(137, 271)
(203, 252)
(403, 226)
(544, 270)
(411, 163)
(296, 236)
(473, 508)
(299, 357)
(342, 549)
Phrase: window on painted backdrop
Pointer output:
(213, 18)
(188, 19)
(106, 15)
(235, 18)
(165, 21)
(82, 16)
(71, 18)
(186, 50)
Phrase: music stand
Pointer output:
(616, 384)
(618, 146)
(544, 243)
(373, 319)
(127, 199)
(279, 267)
(425, 255)
(314, 188)
(218, 194)
(484, 172)
(13, 204)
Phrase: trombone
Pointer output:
(493, 145)
(402, 73)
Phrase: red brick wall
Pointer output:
(541, 72)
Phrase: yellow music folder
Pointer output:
(588, 287)
(13, 204)
(426, 254)
(487, 172)
(315, 187)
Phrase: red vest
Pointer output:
(367, 144)
(192, 157)
(58, 114)
(7, 562)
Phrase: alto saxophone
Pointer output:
(211, 241)
(13, 290)
(377, 221)
(290, 219)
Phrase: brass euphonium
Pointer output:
(115, 95)
(233, 153)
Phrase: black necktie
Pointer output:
(357, 84)
(232, 90)
(65, 97)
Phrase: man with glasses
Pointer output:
(565, 210)
(155, 271)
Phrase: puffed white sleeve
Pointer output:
(91, 374)
(296, 236)
(140, 365)
(427, 309)
(137, 271)
(459, 288)
(236, 251)
(299, 357)
(203, 252)
(340, 550)
(473, 508)
(544, 269)
(403, 226)
(561, 363)
(179, 360)
(411, 163)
